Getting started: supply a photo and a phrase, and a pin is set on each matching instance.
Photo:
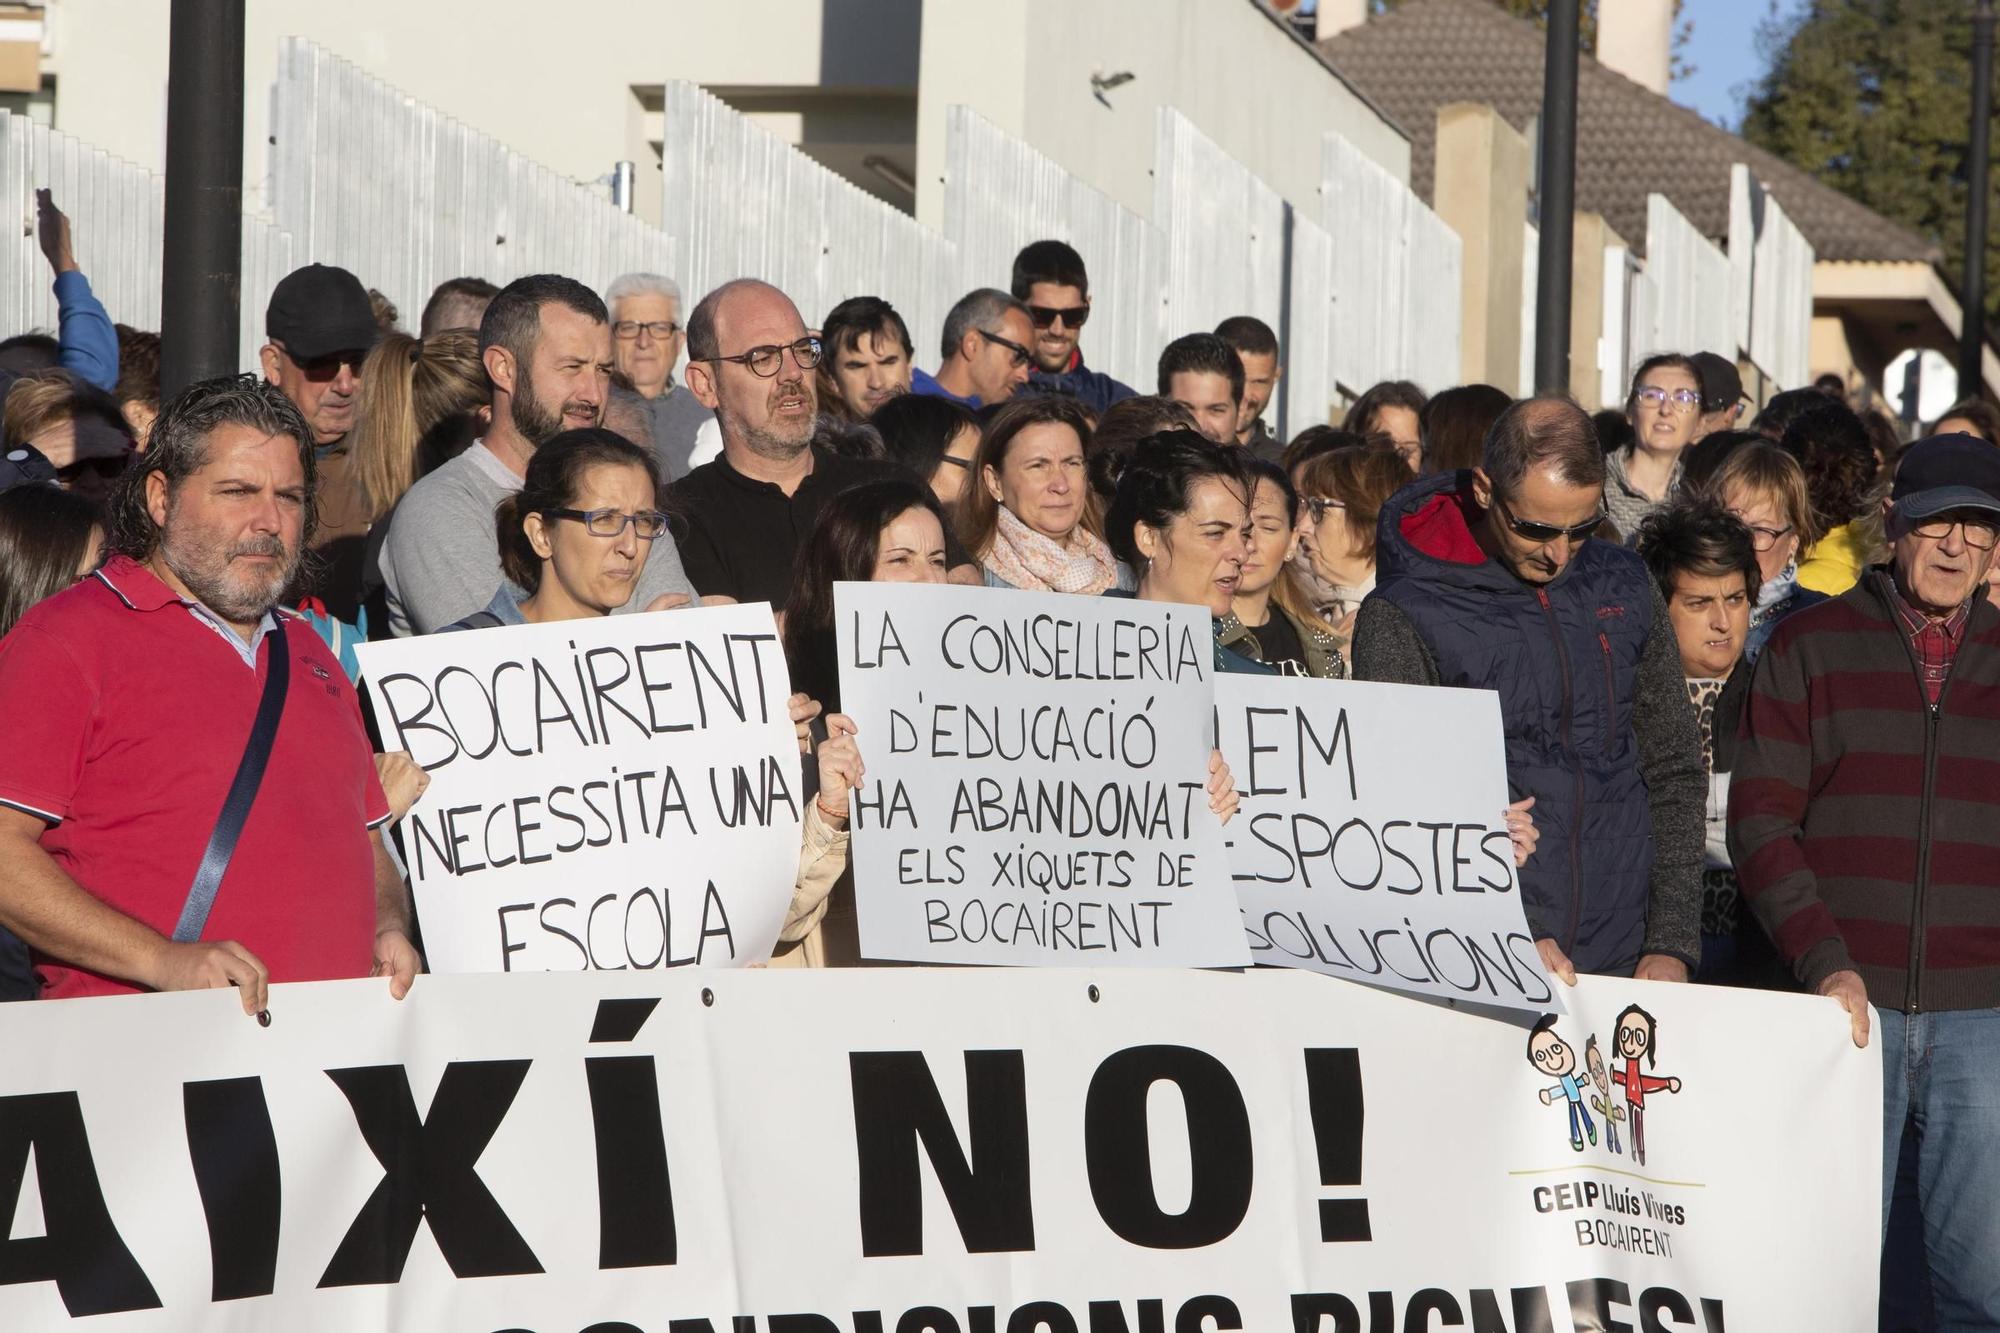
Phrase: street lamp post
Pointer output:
(1558, 200)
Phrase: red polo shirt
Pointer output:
(124, 717)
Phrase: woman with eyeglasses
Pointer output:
(1270, 620)
(1340, 494)
(1664, 408)
(931, 438)
(1028, 514)
(1764, 488)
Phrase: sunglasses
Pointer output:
(104, 469)
(1546, 532)
(1045, 316)
(1020, 355)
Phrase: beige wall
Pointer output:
(1239, 75)
(1482, 194)
(550, 81)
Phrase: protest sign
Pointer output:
(609, 793)
(1373, 839)
(1036, 779)
(935, 1151)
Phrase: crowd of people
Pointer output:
(1746, 664)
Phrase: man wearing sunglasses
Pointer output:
(1861, 822)
(319, 327)
(1491, 579)
(1049, 278)
(985, 350)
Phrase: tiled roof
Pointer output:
(1630, 141)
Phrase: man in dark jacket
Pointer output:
(1049, 279)
(1489, 579)
(1862, 822)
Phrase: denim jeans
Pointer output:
(1941, 1079)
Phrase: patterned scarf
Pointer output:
(1029, 560)
(1773, 595)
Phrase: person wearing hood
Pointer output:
(1490, 579)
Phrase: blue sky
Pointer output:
(1724, 53)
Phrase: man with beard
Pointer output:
(114, 863)
(546, 342)
(751, 361)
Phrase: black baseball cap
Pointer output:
(25, 465)
(318, 310)
(1947, 472)
(1721, 386)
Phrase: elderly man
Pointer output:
(115, 865)
(751, 360)
(1861, 822)
(646, 339)
(1489, 579)
(320, 326)
(546, 345)
(985, 350)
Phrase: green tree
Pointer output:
(1874, 97)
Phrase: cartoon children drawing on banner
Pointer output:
(1593, 1061)
(1555, 1058)
(1638, 1037)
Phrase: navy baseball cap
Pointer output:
(1947, 472)
(24, 465)
(318, 310)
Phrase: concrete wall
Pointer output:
(1482, 192)
(553, 82)
(1026, 65)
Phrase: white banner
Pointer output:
(952, 1151)
(1037, 766)
(612, 793)
(1373, 839)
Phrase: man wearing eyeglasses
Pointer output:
(1490, 579)
(1049, 279)
(646, 339)
(319, 327)
(751, 360)
(1862, 820)
(985, 350)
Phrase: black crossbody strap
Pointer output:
(242, 790)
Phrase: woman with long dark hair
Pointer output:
(1270, 619)
(49, 538)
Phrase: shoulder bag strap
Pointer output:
(242, 789)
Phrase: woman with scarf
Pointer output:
(1029, 515)
(1763, 487)
(1340, 495)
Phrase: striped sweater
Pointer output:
(1865, 826)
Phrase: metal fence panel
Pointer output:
(1688, 288)
(1531, 276)
(1771, 265)
(745, 204)
(117, 213)
(1396, 275)
(1310, 385)
(1000, 194)
(1225, 231)
(366, 177)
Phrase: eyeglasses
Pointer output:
(1546, 532)
(1318, 505)
(649, 524)
(321, 369)
(1763, 539)
(628, 329)
(1979, 534)
(104, 469)
(764, 361)
(1045, 316)
(965, 463)
(1682, 400)
(1020, 355)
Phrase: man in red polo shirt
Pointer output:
(127, 702)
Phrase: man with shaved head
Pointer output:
(751, 362)
(1491, 579)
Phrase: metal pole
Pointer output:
(1972, 323)
(1285, 329)
(203, 245)
(1558, 200)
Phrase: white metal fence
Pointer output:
(117, 219)
(743, 203)
(1771, 265)
(1397, 269)
(1000, 194)
(1688, 304)
(368, 178)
